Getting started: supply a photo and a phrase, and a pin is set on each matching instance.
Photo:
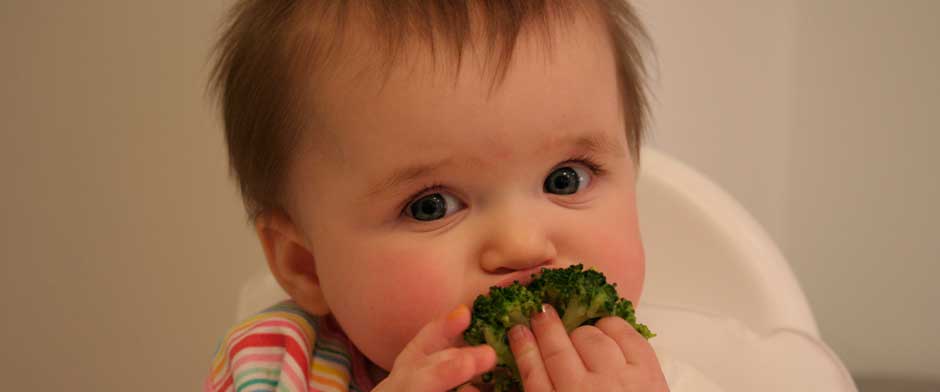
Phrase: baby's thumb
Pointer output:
(437, 335)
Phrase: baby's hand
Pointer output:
(610, 356)
(431, 363)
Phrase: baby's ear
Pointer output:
(291, 261)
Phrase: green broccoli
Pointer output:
(580, 296)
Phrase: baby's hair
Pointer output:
(271, 52)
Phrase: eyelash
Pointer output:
(596, 169)
(424, 191)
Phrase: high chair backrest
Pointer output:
(704, 252)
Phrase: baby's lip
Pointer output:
(523, 276)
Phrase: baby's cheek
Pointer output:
(414, 299)
(619, 253)
(408, 297)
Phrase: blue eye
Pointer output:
(433, 207)
(566, 180)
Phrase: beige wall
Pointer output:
(821, 117)
(123, 241)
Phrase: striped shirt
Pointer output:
(284, 348)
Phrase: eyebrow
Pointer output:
(407, 174)
(594, 142)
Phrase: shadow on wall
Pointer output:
(889, 384)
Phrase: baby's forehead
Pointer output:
(428, 107)
(421, 85)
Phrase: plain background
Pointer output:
(123, 241)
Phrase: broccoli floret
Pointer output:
(580, 296)
(493, 316)
(583, 296)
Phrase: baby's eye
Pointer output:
(433, 207)
(567, 180)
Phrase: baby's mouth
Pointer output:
(523, 277)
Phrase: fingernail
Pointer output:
(457, 313)
(548, 309)
(542, 314)
(517, 333)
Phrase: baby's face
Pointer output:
(421, 195)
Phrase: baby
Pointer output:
(399, 158)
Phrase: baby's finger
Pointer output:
(635, 348)
(561, 360)
(437, 335)
(597, 350)
(449, 368)
(528, 360)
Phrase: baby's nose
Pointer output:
(516, 243)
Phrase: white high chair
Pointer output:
(718, 292)
(704, 252)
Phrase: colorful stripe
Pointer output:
(285, 349)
